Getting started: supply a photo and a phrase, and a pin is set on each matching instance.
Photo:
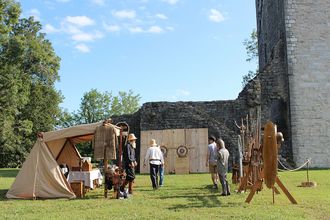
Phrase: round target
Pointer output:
(182, 151)
(164, 150)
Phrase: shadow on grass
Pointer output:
(8, 173)
(3, 194)
(200, 201)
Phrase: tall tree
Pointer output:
(251, 46)
(96, 106)
(28, 71)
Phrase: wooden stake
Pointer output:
(256, 186)
(105, 169)
(286, 192)
(276, 190)
(120, 148)
(307, 172)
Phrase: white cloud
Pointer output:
(161, 16)
(172, 2)
(86, 37)
(82, 48)
(34, 13)
(170, 28)
(111, 28)
(48, 28)
(183, 92)
(135, 30)
(62, 0)
(216, 16)
(98, 2)
(155, 29)
(70, 29)
(129, 14)
(80, 21)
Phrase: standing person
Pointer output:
(129, 163)
(155, 157)
(222, 165)
(211, 161)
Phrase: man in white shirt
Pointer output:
(155, 158)
(211, 161)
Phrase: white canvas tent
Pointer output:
(40, 176)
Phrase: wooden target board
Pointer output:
(269, 154)
(185, 149)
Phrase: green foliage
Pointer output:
(28, 71)
(182, 197)
(251, 46)
(248, 77)
(97, 106)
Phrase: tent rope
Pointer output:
(290, 170)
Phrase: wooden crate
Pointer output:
(78, 189)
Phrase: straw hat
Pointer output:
(153, 142)
(131, 137)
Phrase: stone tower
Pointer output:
(294, 61)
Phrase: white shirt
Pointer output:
(154, 155)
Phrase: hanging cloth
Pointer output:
(105, 138)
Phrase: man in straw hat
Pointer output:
(155, 157)
(129, 163)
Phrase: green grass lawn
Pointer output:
(182, 197)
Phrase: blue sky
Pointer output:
(164, 50)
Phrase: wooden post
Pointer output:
(105, 169)
(307, 172)
(120, 147)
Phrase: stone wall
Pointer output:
(217, 116)
(308, 48)
(273, 69)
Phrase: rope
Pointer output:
(290, 170)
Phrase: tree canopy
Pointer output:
(97, 106)
(28, 71)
